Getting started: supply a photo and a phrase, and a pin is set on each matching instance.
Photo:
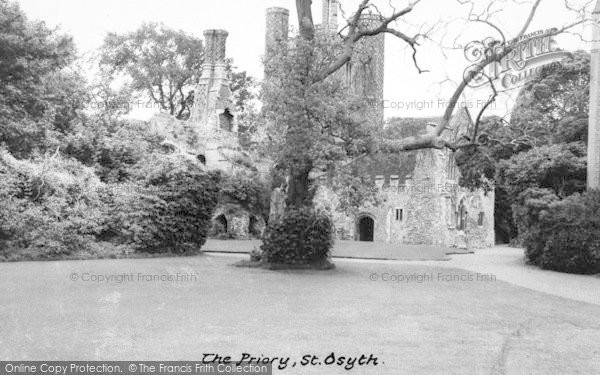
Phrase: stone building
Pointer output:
(210, 138)
(420, 201)
(364, 74)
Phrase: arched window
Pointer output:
(450, 212)
(480, 219)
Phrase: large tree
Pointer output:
(548, 124)
(312, 125)
(40, 97)
(312, 69)
(551, 108)
(161, 63)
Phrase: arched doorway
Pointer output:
(220, 224)
(365, 228)
(255, 226)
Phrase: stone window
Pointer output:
(451, 169)
(480, 219)
(450, 213)
(349, 81)
(226, 121)
(399, 214)
(476, 202)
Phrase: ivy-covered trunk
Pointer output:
(300, 192)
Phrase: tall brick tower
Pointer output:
(365, 72)
(329, 21)
(278, 21)
(593, 164)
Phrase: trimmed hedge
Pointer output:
(302, 236)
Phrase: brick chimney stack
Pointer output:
(215, 49)
(278, 21)
(213, 108)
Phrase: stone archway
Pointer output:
(365, 228)
(220, 224)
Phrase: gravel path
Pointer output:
(508, 264)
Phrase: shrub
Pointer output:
(49, 209)
(303, 236)
(173, 210)
(531, 204)
(571, 235)
(247, 190)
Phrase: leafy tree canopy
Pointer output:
(162, 63)
(552, 108)
(164, 66)
(39, 97)
(312, 125)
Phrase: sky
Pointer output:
(406, 92)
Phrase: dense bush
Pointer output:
(303, 236)
(560, 168)
(530, 205)
(55, 208)
(250, 191)
(49, 208)
(113, 147)
(562, 235)
(171, 212)
(572, 234)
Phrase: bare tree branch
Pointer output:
(355, 34)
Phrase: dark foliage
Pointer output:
(567, 236)
(172, 213)
(303, 236)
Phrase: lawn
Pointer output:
(450, 327)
